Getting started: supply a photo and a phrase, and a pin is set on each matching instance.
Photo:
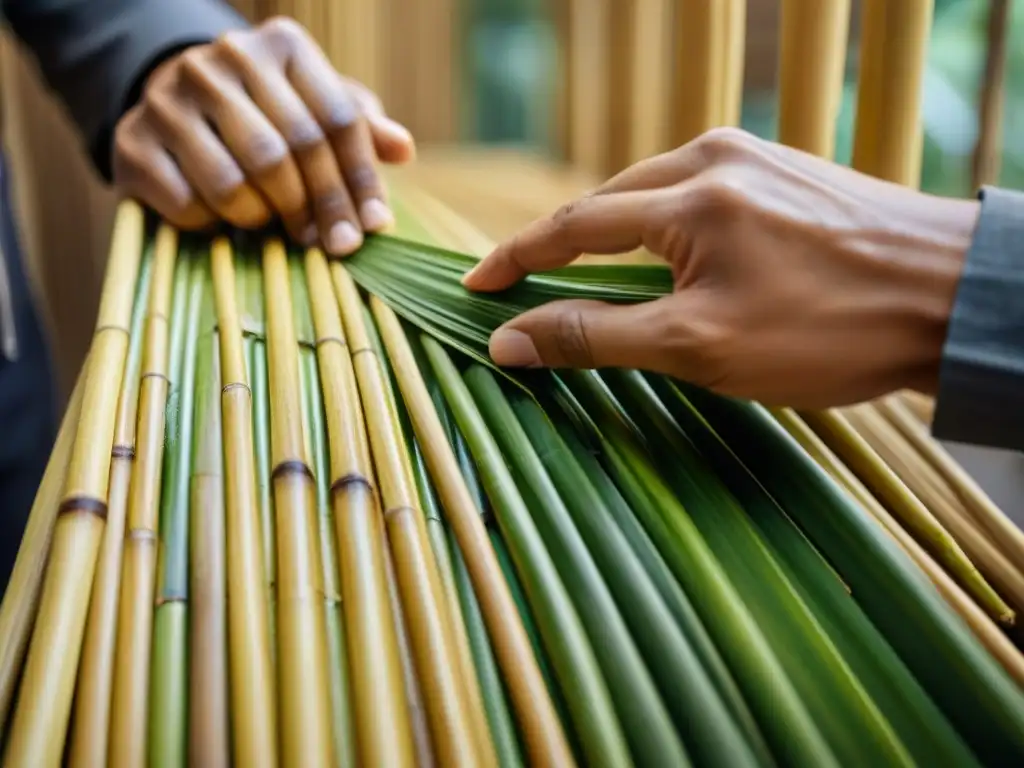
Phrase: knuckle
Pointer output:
(303, 134)
(571, 339)
(719, 196)
(341, 114)
(161, 108)
(332, 203)
(283, 29)
(194, 61)
(721, 144)
(361, 178)
(263, 151)
(225, 184)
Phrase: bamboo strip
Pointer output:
(837, 433)
(304, 699)
(253, 714)
(39, 726)
(381, 716)
(21, 599)
(812, 58)
(535, 711)
(459, 731)
(993, 638)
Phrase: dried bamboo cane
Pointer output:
(382, 726)
(90, 724)
(304, 704)
(894, 43)
(459, 731)
(921, 406)
(208, 710)
(701, 56)
(130, 693)
(1000, 529)
(988, 149)
(39, 726)
(21, 600)
(812, 57)
(837, 433)
(734, 29)
(993, 638)
(253, 714)
(535, 711)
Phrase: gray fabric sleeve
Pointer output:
(981, 383)
(96, 53)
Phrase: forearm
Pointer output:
(95, 53)
(981, 385)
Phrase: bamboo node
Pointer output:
(89, 504)
(330, 340)
(369, 350)
(395, 511)
(291, 467)
(155, 375)
(141, 534)
(236, 385)
(123, 452)
(352, 478)
(110, 327)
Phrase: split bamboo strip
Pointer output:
(21, 599)
(700, 67)
(90, 724)
(927, 485)
(991, 636)
(39, 726)
(1000, 529)
(254, 716)
(209, 730)
(812, 58)
(841, 437)
(894, 42)
(921, 406)
(459, 732)
(130, 692)
(534, 709)
(304, 703)
(380, 710)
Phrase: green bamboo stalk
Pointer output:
(703, 720)
(784, 718)
(168, 692)
(922, 727)
(564, 637)
(647, 724)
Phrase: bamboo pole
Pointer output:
(459, 732)
(988, 150)
(535, 712)
(587, 76)
(304, 699)
(381, 717)
(733, 50)
(700, 67)
(90, 724)
(39, 727)
(812, 59)
(253, 713)
(21, 600)
(894, 44)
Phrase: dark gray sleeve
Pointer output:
(981, 383)
(96, 53)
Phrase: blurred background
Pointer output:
(493, 74)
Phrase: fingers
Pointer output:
(606, 224)
(393, 143)
(585, 334)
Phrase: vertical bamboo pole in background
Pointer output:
(40, 721)
(735, 31)
(700, 43)
(893, 52)
(988, 151)
(812, 57)
(588, 84)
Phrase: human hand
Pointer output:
(797, 281)
(255, 125)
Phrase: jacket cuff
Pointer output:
(152, 32)
(981, 381)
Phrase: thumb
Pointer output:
(585, 334)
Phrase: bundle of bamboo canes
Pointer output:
(283, 526)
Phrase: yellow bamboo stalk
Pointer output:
(894, 45)
(991, 636)
(21, 600)
(812, 57)
(1001, 530)
(734, 30)
(130, 691)
(459, 731)
(304, 705)
(700, 67)
(380, 709)
(535, 712)
(587, 72)
(841, 437)
(921, 406)
(253, 713)
(928, 486)
(39, 726)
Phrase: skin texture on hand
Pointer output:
(255, 126)
(797, 281)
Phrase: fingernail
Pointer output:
(375, 215)
(398, 131)
(514, 349)
(343, 239)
